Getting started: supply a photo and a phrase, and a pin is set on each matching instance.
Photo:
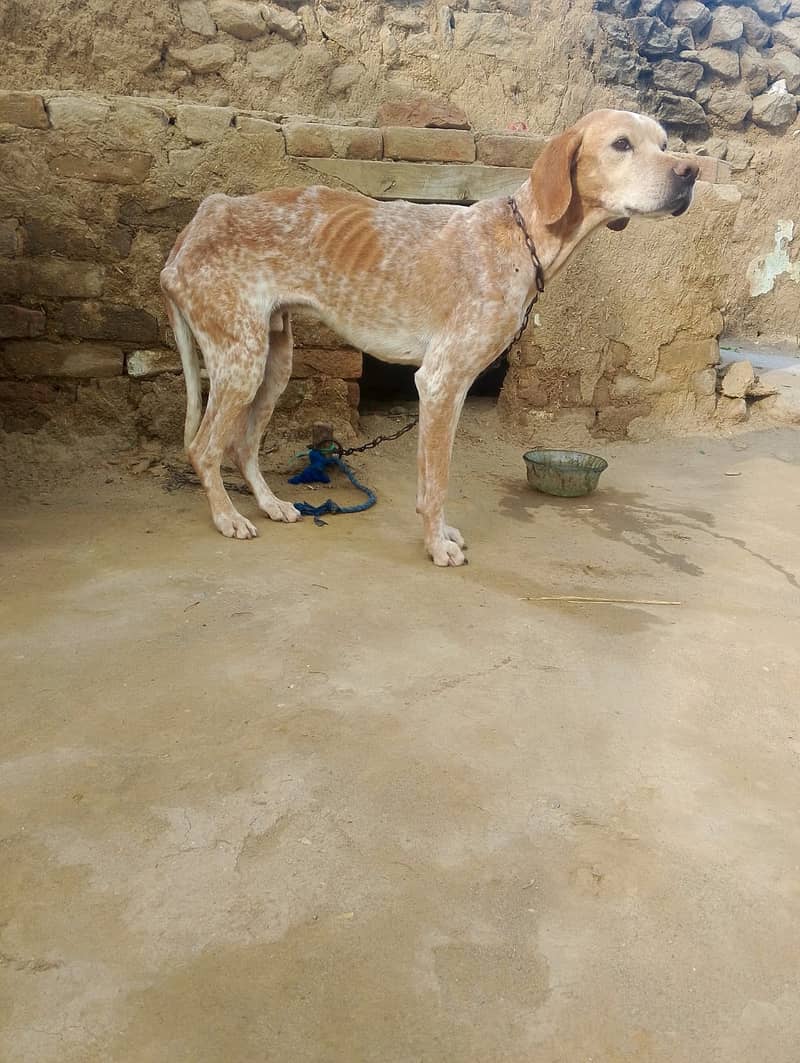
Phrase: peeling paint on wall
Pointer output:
(763, 272)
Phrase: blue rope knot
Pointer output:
(315, 472)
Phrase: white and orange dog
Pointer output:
(441, 287)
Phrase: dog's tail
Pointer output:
(191, 371)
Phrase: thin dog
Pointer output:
(441, 287)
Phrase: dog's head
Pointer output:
(614, 164)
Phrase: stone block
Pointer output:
(207, 59)
(138, 120)
(114, 167)
(52, 277)
(107, 321)
(268, 135)
(309, 331)
(691, 13)
(754, 69)
(195, 18)
(76, 114)
(422, 112)
(776, 108)
(756, 32)
(428, 145)
(731, 105)
(681, 111)
(200, 123)
(680, 77)
(283, 23)
(146, 364)
(20, 321)
(739, 155)
(783, 65)
(38, 358)
(184, 161)
(239, 18)
(726, 25)
(10, 237)
(787, 35)
(704, 382)
(613, 421)
(272, 63)
(737, 379)
(721, 61)
(344, 363)
(654, 39)
(715, 147)
(508, 150)
(628, 387)
(314, 140)
(731, 411)
(24, 109)
(771, 10)
(73, 238)
(686, 356)
(159, 212)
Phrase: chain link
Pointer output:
(344, 452)
(539, 280)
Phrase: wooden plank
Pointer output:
(426, 182)
(715, 171)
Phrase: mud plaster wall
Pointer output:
(507, 63)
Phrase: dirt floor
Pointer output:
(308, 798)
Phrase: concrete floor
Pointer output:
(310, 799)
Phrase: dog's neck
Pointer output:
(555, 243)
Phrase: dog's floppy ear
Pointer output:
(618, 224)
(552, 176)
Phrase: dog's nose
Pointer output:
(686, 170)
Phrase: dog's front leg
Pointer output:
(441, 397)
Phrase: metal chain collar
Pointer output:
(336, 446)
(538, 273)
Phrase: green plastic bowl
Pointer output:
(566, 473)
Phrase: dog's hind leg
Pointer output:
(253, 422)
(235, 356)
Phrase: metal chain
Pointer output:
(539, 279)
(538, 272)
(376, 442)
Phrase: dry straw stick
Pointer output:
(575, 599)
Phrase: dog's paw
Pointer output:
(280, 511)
(446, 554)
(235, 526)
(455, 536)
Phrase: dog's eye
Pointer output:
(622, 144)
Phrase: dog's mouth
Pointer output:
(682, 207)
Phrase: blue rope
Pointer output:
(315, 473)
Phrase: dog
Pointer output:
(441, 287)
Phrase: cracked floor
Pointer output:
(309, 799)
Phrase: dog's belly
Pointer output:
(387, 341)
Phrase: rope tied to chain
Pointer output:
(315, 472)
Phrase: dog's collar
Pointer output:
(537, 266)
